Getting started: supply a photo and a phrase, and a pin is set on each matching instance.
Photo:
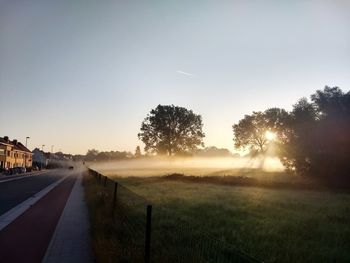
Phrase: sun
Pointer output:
(270, 136)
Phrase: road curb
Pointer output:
(18, 177)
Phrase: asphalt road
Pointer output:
(14, 192)
(27, 238)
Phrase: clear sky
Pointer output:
(84, 74)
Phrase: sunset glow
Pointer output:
(271, 136)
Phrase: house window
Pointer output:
(2, 151)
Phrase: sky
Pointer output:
(84, 74)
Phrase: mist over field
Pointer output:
(199, 166)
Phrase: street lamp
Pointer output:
(25, 155)
(41, 163)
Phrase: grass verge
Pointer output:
(103, 233)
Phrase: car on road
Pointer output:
(12, 171)
(22, 170)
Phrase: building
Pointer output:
(40, 158)
(14, 154)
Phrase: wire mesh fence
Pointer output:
(175, 240)
(144, 235)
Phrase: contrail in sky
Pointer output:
(184, 73)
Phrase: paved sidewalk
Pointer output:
(71, 240)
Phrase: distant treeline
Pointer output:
(95, 155)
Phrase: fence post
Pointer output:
(148, 234)
(105, 181)
(115, 195)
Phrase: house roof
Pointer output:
(2, 140)
(16, 145)
(19, 146)
(37, 151)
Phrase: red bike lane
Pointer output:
(27, 238)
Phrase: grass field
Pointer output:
(272, 225)
(272, 216)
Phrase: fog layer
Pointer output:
(189, 166)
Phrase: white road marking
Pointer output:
(15, 212)
(22, 177)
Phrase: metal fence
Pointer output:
(150, 234)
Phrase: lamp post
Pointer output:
(51, 154)
(42, 150)
(25, 155)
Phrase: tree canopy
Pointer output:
(171, 130)
(313, 139)
(320, 142)
(251, 132)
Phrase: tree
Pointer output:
(330, 155)
(102, 156)
(251, 131)
(318, 143)
(312, 140)
(332, 103)
(300, 139)
(91, 155)
(213, 151)
(138, 152)
(171, 130)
